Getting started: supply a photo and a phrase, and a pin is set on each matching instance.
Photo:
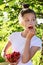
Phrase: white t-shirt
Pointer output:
(18, 44)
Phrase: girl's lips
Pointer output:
(30, 27)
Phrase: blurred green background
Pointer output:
(9, 11)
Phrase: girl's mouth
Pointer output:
(30, 27)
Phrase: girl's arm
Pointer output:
(4, 51)
(28, 52)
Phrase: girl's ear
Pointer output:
(20, 18)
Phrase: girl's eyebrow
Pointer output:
(33, 17)
(27, 20)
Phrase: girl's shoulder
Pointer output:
(36, 41)
(13, 35)
(36, 38)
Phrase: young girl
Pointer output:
(26, 42)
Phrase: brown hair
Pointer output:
(26, 9)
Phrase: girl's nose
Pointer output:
(31, 22)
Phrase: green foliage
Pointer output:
(2, 59)
(1, 2)
(39, 30)
(36, 58)
(9, 11)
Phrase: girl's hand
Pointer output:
(14, 63)
(31, 33)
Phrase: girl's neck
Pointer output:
(24, 34)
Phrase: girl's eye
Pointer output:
(33, 19)
(27, 20)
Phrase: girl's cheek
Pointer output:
(23, 24)
(33, 23)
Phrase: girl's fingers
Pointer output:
(31, 33)
(32, 30)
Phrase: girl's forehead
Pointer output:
(29, 16)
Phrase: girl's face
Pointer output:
(28, 20)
